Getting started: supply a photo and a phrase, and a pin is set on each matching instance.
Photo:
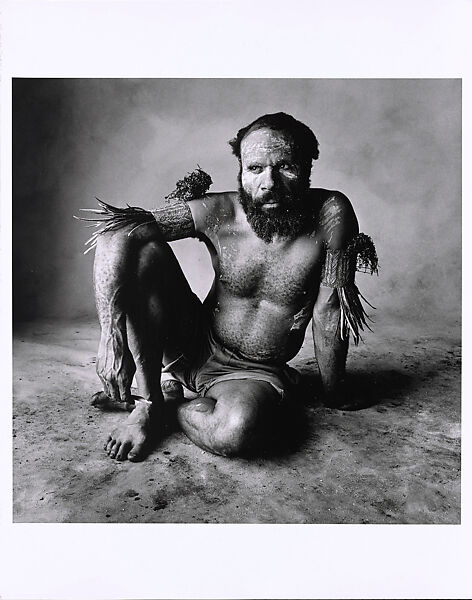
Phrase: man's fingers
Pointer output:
(117, 391)
(113, 391)
(100, 399)
(116, 394)
(110, 387)
(106, 386)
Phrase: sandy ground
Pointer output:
(395, 461)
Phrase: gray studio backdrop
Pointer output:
(392, 146)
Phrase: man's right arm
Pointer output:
(172, 222)
(200, 218)
(121, 234)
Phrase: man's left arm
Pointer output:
(330, 348)
(337, 311)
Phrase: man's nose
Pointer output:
(268, 180)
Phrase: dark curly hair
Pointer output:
(305, 143)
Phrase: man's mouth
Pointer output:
(271, 200)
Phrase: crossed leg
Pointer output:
(232, 419)
(148, 313)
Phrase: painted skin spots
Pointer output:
(267, 164)
(330, 218)
(338, 221)
(266, 294)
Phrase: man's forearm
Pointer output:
(330, 349)
(115, 365)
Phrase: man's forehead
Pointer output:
(265, 141)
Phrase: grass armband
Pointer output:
(174, 221)
(339, 271)
(193, 185)
(339, 268)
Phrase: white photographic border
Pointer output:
(342, 38)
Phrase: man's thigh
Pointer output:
(177, 316)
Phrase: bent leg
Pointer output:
(145, 308)
(232, 418)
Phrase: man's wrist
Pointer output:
(334, 393)
(334, 384)
(139, 400)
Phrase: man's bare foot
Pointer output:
(129, 440)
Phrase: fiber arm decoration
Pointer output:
(174, 221)
(339, 271)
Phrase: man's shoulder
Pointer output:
(224, 201)
(213, 209)
(329, 200)
(337, 219)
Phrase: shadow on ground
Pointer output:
(395, 458)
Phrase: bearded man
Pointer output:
(283, 254)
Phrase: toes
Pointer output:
(115, 449)
(137, 453)
(123, 453)
(110, 443)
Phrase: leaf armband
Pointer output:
(363, 248)
(339, 270)
(174, 221)
(193, 185)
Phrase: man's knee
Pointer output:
(237, 432)
(153, 252)
(129, 239)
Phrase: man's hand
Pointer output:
(349, 395)
(337, 397)
(115, 364)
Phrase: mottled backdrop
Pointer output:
(392, 146)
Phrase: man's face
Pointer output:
(272, 185)
(269, 172)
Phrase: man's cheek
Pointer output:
(291, 179)
(246, 182)
(250, 186)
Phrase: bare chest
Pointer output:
(278, 272)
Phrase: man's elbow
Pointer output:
(327, 301)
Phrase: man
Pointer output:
(283, 254)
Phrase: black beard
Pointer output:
(288, 220)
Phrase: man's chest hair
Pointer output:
(282, 272)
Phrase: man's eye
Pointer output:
(255, 168)
(285, 166)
